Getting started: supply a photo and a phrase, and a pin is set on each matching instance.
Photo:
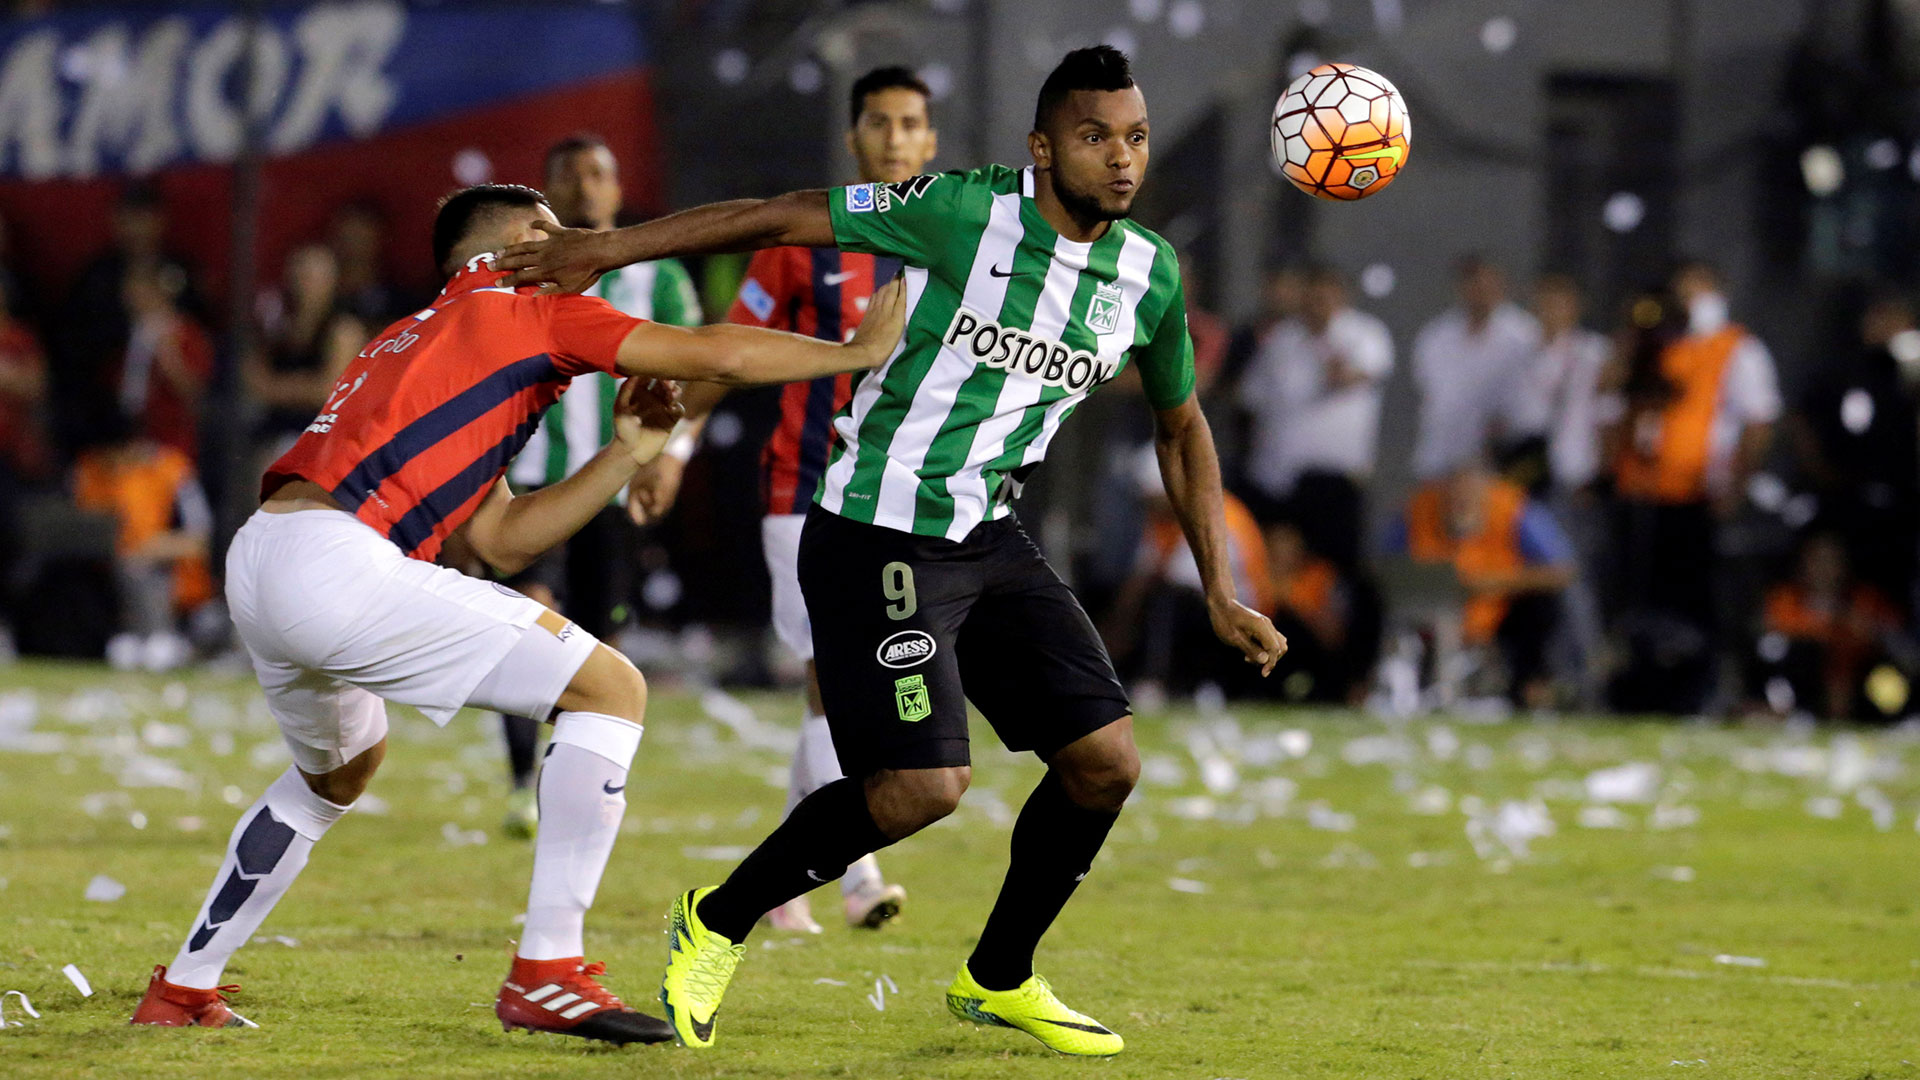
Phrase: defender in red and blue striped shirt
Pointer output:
(335, 595)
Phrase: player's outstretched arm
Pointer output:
(1190, 468)
(570, 260)
(736, 355)
(509, 532)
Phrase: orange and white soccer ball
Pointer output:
(1340, 132)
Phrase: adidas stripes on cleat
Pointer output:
(562, 997)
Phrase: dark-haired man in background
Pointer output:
(821, 291)
(589, 576)
(336, 596)
(1026, 289)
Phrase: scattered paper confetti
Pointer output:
(78, 980)
(1188, 885)
(25, 1006)
(718, 852)
(1739, 961)
(105, 889)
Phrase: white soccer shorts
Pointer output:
(780, 538)
(336, 619)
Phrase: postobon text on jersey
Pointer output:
(1020, 352)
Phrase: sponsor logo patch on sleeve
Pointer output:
(860, 198)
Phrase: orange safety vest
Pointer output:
(1246, 549)
(1493, 549)
(142, 495)
(1668, 463)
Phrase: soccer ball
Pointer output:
(1340, 132)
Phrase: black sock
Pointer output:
(523, 740)
(1054, 842)
(825, 833)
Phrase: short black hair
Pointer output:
(892, 77)
(572, 144)
(1097, 67)
(459, 211)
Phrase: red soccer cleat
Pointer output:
(167, 1005)
(562, 997)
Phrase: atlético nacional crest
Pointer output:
(1103, 311)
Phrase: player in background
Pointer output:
(822, 292)
(590, 576)
(1026, 290)
(340, 605)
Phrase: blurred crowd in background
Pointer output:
(1611, 509)
(1592, 480)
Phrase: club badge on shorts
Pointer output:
(910, 694)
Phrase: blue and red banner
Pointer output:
(366, 100)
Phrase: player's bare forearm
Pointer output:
(699, 399)
(509, 532)
(736, 355)
(570, 259)
(1190, 469)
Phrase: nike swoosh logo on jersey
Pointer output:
(1397, 153)
(816, 877)
(611, 790)
(997, 272)
(840, 278)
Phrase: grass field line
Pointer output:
(1645, 971)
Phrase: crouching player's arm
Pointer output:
(508, 532)
(735, 355)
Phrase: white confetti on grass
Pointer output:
(25, 1006)
(718, 852)
(1731, 960)
(78, 980)
(104, 889)
(1188, 885)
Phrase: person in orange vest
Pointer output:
(1824, 630)
(1159, 615)
(160, 562)
(1512, 558)
(1331, 644)
(1701, 399)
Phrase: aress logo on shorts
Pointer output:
(906, 649)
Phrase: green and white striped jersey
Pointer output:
(581, 422)
(1009, 327)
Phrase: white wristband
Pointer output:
(681, 446)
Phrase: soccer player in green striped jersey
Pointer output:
(1027, 289)
(589, 574)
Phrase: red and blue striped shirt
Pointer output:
(435, 407)
(820, 292)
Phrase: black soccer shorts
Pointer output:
(907, 629)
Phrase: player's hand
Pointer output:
(1252, 633)
(880, 328)
(654, 488)
(644, 414)
(567, 260)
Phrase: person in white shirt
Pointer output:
(1471, 366)
(1312, 395)
(1566, 388)
(1566, 383)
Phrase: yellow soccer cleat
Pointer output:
(700, 964)
(1032, 1008)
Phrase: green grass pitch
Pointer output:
(1290, 895)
